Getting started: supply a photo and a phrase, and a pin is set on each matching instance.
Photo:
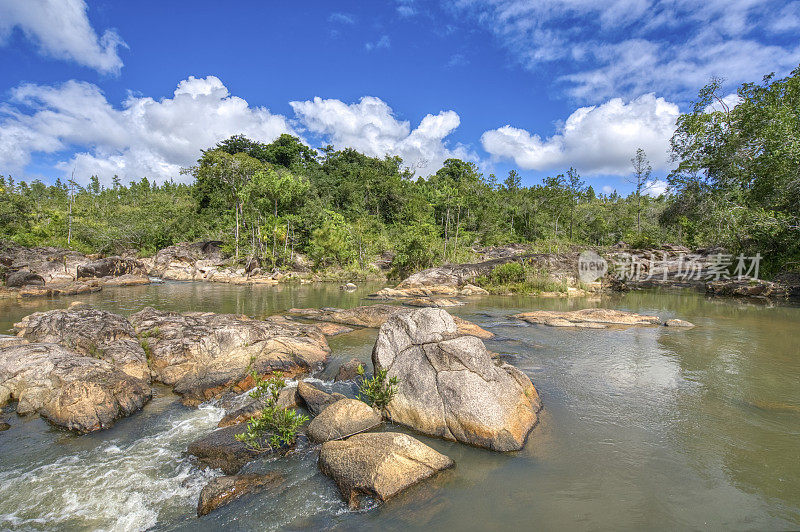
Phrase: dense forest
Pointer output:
(736, 184)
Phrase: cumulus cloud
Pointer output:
(61, 29)
(370, 126)
(145, 137)
(596, 140)
(629, 47)
(383, 42)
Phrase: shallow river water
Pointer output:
(642, 428)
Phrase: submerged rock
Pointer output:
(224, 490)
(435, 302)
(202, 354)
(678, 323)
(315, 399)
(342, 419)
(379, 464)
(221, 450)
(450, 387)
(373, 316)
(93, 333)
(68, 388)
(4, 426)
(595, 318)
(348, 371)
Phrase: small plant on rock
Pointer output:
(376, 391)
(275, 425)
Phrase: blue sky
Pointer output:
(138, 88)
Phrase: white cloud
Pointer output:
(607, 189)
(629, 47)
(370, 127)
(343, 18)
(656, 187)
(596, 140)
(62, 30)
(144, 138)
(383, 42)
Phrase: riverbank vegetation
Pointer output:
(735, 184)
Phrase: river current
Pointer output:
(648, 427)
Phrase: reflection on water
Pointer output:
(644, 427)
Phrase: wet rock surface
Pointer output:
(379, 464)
(221, 450)
(373, 316)
(348, 371)
(450, 387)
(343, 418)
(592, 318)
(67, 388)
(315, 399)
(224, 490)
(93, 333)
(678, 323)
(202, 354)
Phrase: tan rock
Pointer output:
(343, 418)
(67, 388)
(224, 490)
(379, 464)
(587, 318)
(450, 387)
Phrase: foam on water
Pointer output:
(118, 485)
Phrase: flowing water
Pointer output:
(642, 428)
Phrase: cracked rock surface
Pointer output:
(449, 385)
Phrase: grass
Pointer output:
(520, 278)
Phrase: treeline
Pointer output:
(735, 185)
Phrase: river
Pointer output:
(648, 427)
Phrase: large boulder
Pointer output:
(594, 318)
(449, 386)
(348, 371)
(374, 316)
(225, 490)
(91, 332)
(68, 388)
(111, 267)
(201, 354)
(52, 264)
(22, 278)
(379, 464)
(343, 418)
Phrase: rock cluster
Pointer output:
(201, 354)
(68, 388)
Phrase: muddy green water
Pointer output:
(642, 428)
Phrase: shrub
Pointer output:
(511, 272)
(376, 391)
(277, 423)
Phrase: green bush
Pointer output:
(511, 272)
(376, 391)
(277, 424)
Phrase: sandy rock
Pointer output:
(188, 261)
(93, 333)
(449, 385)
(315, 399)
(333, 329)
(342, 419)
(433, 302)
(379, 464)
(348, 371)
(202, 354)
(373, 316)
(71, 288)
(67, 388)
(224, 490)
(597, 318)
